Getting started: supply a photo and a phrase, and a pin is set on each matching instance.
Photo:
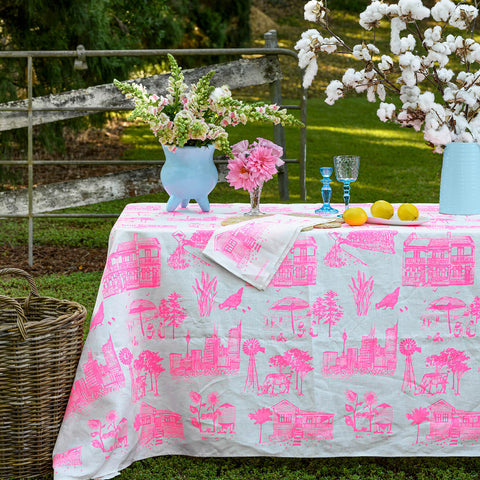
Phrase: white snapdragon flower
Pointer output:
(386, 111)
(219, 93)
(463, 16)
(410, 10)
(334, 91)
(442, 10)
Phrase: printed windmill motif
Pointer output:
(370, 359)
(378, 241)
(134, 264)
(408, 347)
(251, 347)
(99, 379)
(181, 258)
(293, 426)
(438, 261)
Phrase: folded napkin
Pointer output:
(253, 250)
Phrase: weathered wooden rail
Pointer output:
(39, 201)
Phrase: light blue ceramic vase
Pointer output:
(189, 173)
(460, 181)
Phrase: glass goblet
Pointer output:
(346, 171)
(326, 209)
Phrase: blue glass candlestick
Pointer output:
(326, 209)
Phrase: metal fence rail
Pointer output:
(80, 55)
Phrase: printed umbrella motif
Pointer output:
(446, 304)
(139, 306)
(289, 304)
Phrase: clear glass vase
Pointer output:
(255, 202)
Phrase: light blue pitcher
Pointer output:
(460, 182)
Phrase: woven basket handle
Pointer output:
(12, 303)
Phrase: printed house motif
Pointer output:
(299, 267)
(155, 425)
(448, 422)
(240, 244)
(438, 261)
(135, 264)
(99, 379)
(216, 359)
(370, 359)
(289, 422)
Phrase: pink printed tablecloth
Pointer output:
(363, 344)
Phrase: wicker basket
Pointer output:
(40, 345)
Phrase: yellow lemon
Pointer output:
(355, 216)
(382, 209)
(407, 211)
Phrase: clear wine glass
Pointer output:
(326, 209)
(346, 171)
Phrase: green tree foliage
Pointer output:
(104, 25)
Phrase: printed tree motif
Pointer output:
(408, 347)
(126, 358)
(196, 408)
(351, 406)
(327, 307)
(261, 416)
(279, 362)
(298, 361)
(108, 430)
(251, 347)
(418, 416)
(176, 313)
(151, 363)
(205, 291)
(455, 364)
(362, 293)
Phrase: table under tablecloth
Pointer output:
(363, 344)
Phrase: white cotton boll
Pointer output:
(313, 11)
(386, 63)
(409, 94)
(442, 10)
(371, 94)
(413, 9)
(464, 137)
(351, 78)
(426, 101)
(305, 57)
(438, 136)
(386, 111)
(372, 15)
(444, 74)
(463, 16)
(449, 94)
(407, 43)
(432, 36)
(309, 73)
(334, 91)
(381, 92)
(396, 26)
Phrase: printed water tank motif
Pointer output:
(134, 264)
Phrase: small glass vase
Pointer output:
(255, 202)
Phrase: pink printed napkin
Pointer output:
(253, 250)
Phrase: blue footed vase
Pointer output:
(189, 173)
(460, 181)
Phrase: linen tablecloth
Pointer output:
(363, 344)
